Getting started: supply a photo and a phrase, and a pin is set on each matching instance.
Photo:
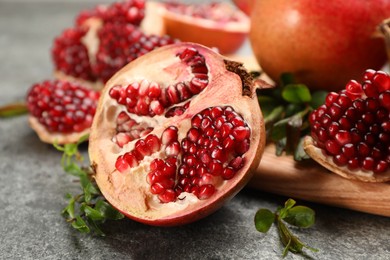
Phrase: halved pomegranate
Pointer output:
(61, 111)
(176, 133)
(218, 25)
(350, 133)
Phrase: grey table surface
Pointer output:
(33, 185)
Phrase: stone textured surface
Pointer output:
(33, 185)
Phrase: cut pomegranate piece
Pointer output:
(349, 133)
(61, 111)
(103, 41)
(218, 25)
(169, 168)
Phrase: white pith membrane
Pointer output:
(129, 191)
(327, 161)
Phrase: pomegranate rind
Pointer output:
(55, 137)
(318, 155)
(227, 37)
(130, 193)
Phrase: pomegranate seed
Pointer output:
(332, 147)
(169, 135)
(168, 195)
(121, 164)
(369, 74)
(172, 149)
(331, 98)
(206, 191)
(228, 173)
(382, 166)
(384, 100)
(368, 164)
(370, 89)
(381, 81)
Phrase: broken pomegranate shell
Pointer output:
(60, 111)
(177, 133)
(350, 133)
(218, 25)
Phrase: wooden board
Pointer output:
(310, 181)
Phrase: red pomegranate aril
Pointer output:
(368, 164)
(354, 89)
(227, 173)
(168, 195)
(343, 137)
(381, 166)
(333, 129)
(370, 90)
(340, 160)
(349, 150)
(381, 81)
(332, 147)
(384, 100)
(369, 74)
(206, 191)
(331, 98)
(353, 164)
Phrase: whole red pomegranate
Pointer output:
(323, 43)
(176, 133)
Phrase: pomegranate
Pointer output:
(350, 133)
(177, 132)
(103, 41)
(324, 44)
(217, 25)
(245, 5)
(61, 111)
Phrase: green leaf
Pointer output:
(93, 213)
(96, 228)
(296, 93)
(300, 216)
(318, 98)
(108, 211)
(263, 220)
(73, 169)
(300, 153)
(287, 78)
(80, 225)
(69, 209)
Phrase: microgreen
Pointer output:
(87, 211)
(286, 109)
(299, 216)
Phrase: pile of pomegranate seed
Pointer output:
(119, 38)
(62, 106)
(353, 126)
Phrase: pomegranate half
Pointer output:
(177, 132)
(218, 25)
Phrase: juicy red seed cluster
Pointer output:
(121, 44)
(128, 11)
(215, 11)
(353, 126)
(212, 151)
(70, 55)
(120, 41)
(213, 148)
(149, 98)
(62, 106)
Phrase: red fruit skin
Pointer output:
(245, 5)
(324, 43)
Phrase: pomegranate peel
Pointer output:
(216, 25)
(181, 140)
